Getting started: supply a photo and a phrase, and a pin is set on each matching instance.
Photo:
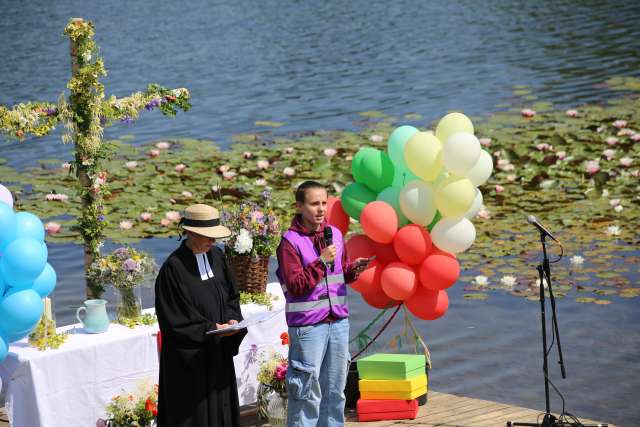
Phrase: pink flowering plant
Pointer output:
(271, 376)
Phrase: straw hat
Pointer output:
(204, 220)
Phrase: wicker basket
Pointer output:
(251, 272)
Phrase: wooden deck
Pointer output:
(442, 410)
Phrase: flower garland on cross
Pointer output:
(84, 116)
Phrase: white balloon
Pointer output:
(453, 234)
(461, 152)
(477, 204)
(481, 171)
(417, 202)
(5, 196)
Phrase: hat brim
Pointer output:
(217, 232)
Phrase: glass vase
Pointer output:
(272, 406)
(129, 304)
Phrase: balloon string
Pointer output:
(378, 334)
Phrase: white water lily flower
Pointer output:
(613, 230)
(509, 281)
(481, 280)
(536, 284)
(244, 242)
(618, 208)
(131, 165)
(576, 260)
(376, 138)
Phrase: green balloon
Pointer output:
(437, 217)
(391, 195)
(355, 196)
(402, 176)
(374, 169)
(397, 140)
(357, 162)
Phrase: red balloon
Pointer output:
(426, 304)
(412, 244)
(379, 221)
(369, 279)
(437, 251)
(378, 299)
(399, 281)
(439, 271)
(336, 215)
(359, 246)
(384, 253)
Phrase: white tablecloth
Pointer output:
(72, 385)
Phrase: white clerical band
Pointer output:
(204, 267)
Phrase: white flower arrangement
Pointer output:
(244, 242)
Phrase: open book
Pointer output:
(249, 321)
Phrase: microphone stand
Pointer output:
(544, 273)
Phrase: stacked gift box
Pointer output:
(390, 385)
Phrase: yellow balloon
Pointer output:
(423, 155)
(453, 123)
(454, 196)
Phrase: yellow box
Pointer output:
(394, 385)
(393, 395)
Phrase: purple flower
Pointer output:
(103, 120)
(51, 111)
(130, 265)
(101, 423)
(121, 252)
(126, 119)
(101, 218)
(266, 194)
(155, 102)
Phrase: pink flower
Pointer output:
(52, 228)
(261, 182)
(229, 175)
(58, 197)
(626, 132)
(614, 202)
(544, 146)
(626, 161)
(173, 216)
(527, 112)
(635, 137)
(262, 164)
(483, 213)
(101, 423)
(485, 142)
(187, 194)
(609, 154)
(247, 154)
(572, 113)
(66, 166)
(165, 222)
(511, 178)
(592, 166)
(131, 165)
(561, 155)
(163, 145)
(635, 173)
(497, 154)
(288, 171)
(376, 138)
(499, 188)
(154, 153)
(215, 188)
(224, 168)
(125, 225)
(281, 371)
(612, 140)
(330, 152)
(505, 165)
(620, 124)
(288, 150)
(145, 216)
(180, 167)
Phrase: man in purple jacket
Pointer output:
(313, 276)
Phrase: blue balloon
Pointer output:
(4, 349)
(7, 225)
(23, 261)
(3, 286)
(28, 225)
(20, 313)
(46, 281)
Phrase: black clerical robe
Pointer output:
(197, 376)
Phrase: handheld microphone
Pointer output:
(534, 221)
(328, 241)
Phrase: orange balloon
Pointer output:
(378, 299)
(412, 244)
(359, 246)
(336, 215)
(426, 304)
(384, 252)
(379, 221)
(439, 271)
(399, 281)
(369, 279)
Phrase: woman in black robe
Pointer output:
(196, 293)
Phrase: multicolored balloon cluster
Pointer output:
(415, 203)
(25, 276)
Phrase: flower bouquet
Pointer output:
(128, 410)
(125, 269)
(255, 237)
(272, 391)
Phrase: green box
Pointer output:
(382, 366)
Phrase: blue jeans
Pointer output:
(318, 364)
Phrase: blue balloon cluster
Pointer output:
(25, 275)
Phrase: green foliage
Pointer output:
(256, 298)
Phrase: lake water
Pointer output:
(316, 65)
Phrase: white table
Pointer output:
(72, 385)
